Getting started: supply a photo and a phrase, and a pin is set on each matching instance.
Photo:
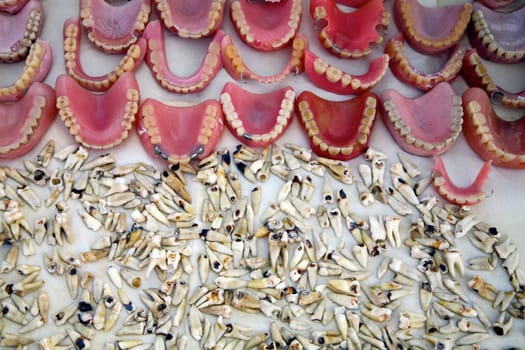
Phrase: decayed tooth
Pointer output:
(328, 192)
(336, 222)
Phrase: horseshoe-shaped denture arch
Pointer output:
(264, 26)
(492, 137)
(337, 129)
(238, 70)
(477, 75)
(37, 65)
(333, 79)
(12, 6)
(157, 61)
(431, 30)
(349, 35)
(114, 28)
(426, 125)
(257, 120)
(23, 123)
(19, 31)
(191, 19)
(179, 133)
(128, 63)
(407, 73)
(98, 120)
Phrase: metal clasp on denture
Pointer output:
(336, 49)
(158, 151)
(141, 131)
(197, 152)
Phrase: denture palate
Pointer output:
(98, 120)
(23, 123)
(349, 34)
(128, 63)
(495, 4)
(337, 129)
(407, 73)
(489, 134)
(12, 6)
(114, 28)
(476, 74)
(431, 30)
(19, 31)
(426, 125)
(266, 26)
(257, 119)
(157, 61)
(191, 19)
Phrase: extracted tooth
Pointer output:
(392, 230)
(425, 294)
(503, 325)
(29, 196)
(458, 308)
(397, 265)
(328, 192)
(377, 228)
(454, 262)
(455, 287)
(334, 216)
(465, 225)
(484, 289)
(411, 320)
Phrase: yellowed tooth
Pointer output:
(320, 66)
(333, 74)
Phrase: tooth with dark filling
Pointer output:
(492, 137)
(114, 28)
(257, 120)
(264, 26)
(331, 78)
(349, 35)
(459, 195)
(23, 123)
(12, 6)
(18, 32)
(337, 129)
(158, 62)
(98, 121)
(179, 133)
(235, 66)
(477, 75)
(37, 65)
(406, 72)
(191, 19)
(431, 30)
(427, 125)
(128, 63)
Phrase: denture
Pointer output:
(264, 26)
(23, 123)
(19, 31)
(128, 63)
(459, 195)
(477, 75)
(95, 120)
(431, 30)
(114, 28)
(495, 4)
(191, 19)
(37, 65)
(179, 134)
(331, 78)
(498, 36)
(349, 35)
(427, 125)
(238, 70)
(12, 6)
(257, 120)
(158, 62)
(407, 73)
(337, 129)
(492, 137)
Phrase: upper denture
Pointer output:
(12, 6)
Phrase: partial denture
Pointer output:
(407, 73)
(257, 120)
(98, 121)
(493, 138)
(427, 125)
(266, 27)
(476, 75)
(23, 123)
(191, 19)
(12, 6)
(180, 133)
(498, 36)
(157, 61)
(18, 32)
(114, 28)
(130, 62)
(431, 30)
(331, 78)
(337, 129)
(235, 66)
(37, 65)
(349, 35)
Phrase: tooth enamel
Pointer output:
(333, 74)
(320, 66)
